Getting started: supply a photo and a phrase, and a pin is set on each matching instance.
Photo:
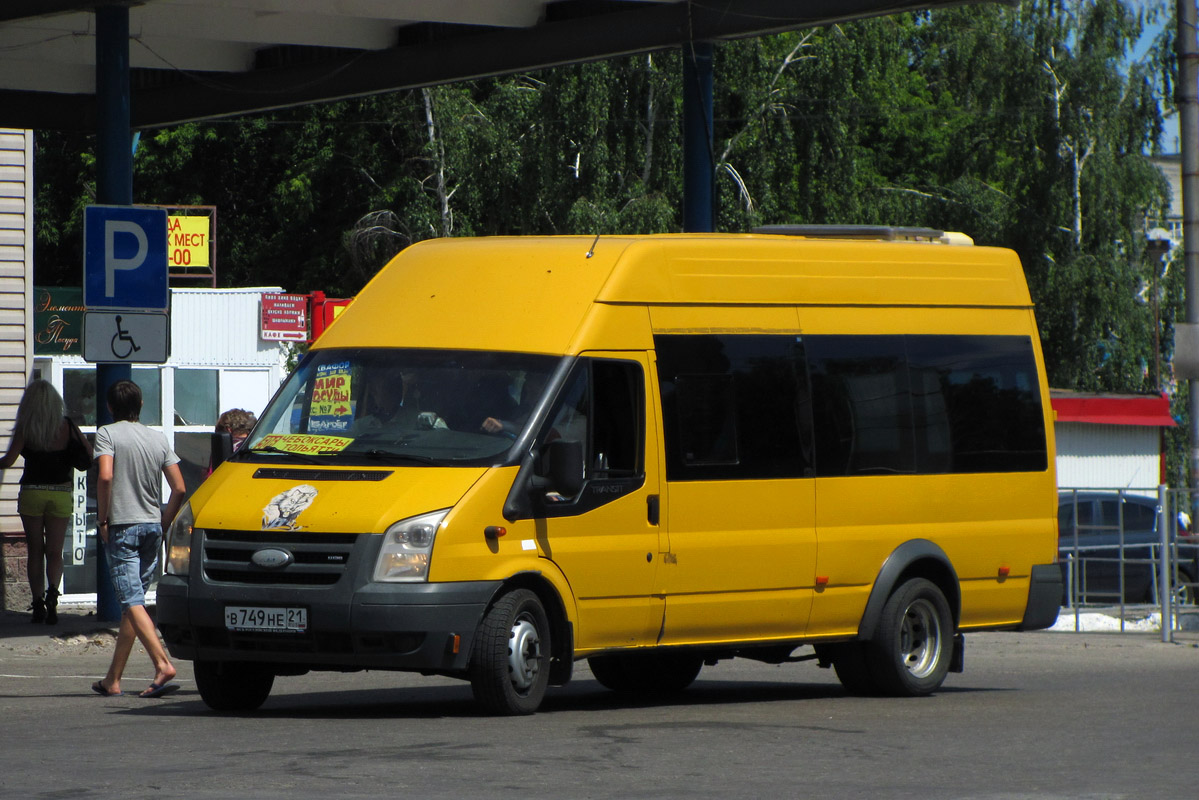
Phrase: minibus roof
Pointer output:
(533, 294)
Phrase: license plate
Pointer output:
(270, 620)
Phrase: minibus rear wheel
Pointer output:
(909, 654)
(233, 685)
(509, 668)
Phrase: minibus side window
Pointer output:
(735, 407)
(617, 421)
(707, 422)
(925, 404)
(977, 404)
(602, 405)
(861, 405)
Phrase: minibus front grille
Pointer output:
(316, 559)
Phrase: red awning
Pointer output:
(1114, 409)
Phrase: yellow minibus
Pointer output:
(651, 452)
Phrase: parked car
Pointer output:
(1105, 521)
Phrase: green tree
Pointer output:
(1024, 127)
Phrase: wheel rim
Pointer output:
(524, 653)
(920, 638)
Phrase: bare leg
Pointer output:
(120, 655)
(56, 534)
(35, 564)
(139, 618)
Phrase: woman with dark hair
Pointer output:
(53, 447)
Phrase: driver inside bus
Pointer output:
(384, 405)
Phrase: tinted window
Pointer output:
(976, 404)
(775, 406)
(617, 424)
(861, 408)
(602, 406)
(733, 406)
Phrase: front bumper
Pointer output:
(353, 623)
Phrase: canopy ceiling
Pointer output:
(194, 59)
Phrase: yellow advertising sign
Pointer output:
(188, 242)
(330, 410)
(308, 444)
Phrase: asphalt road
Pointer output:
(1035, 715)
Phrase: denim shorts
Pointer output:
(132, 558)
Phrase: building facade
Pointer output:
(16, 344)
(1110, 441)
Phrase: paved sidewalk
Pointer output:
(78, 628)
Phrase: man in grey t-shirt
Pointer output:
(131, 459)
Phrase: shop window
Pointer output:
(195, 452)
(79, 394)
(196, 397)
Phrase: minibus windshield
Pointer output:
(366, 406)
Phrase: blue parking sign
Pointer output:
(125, 258)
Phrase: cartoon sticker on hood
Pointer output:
(285, 507)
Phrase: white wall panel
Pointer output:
(1107, 456)
(220, 327)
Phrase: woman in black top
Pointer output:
(53, 447)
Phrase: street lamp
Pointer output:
(1157, 248)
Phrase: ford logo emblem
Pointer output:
(272, 558)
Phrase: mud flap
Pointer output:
(957, 661)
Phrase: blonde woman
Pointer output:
(53, 447)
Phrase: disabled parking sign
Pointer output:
(125, 285)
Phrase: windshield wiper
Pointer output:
(380, 454)
(270, 448)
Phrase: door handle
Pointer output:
(652, 506)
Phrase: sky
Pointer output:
(1170, 137)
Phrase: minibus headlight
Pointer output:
(407, 546)
(179, 542)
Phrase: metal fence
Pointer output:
(1129, 552)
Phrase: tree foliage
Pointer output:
(1025, 127)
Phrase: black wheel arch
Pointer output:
(561, 631)
(915, 558)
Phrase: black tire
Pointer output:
(233, 685)
(652, 672)
(509, 668)
(909, 654)
(849, 662)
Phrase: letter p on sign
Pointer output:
(113, 263)
(125, 258)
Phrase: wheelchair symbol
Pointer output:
(122, 340)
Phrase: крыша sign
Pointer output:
(58, 320)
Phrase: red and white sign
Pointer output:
(285, 317)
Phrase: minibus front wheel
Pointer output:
(509, 668)
(233, 685)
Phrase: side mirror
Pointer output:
(222, 448)
(557, 468)
(563, 464)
